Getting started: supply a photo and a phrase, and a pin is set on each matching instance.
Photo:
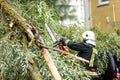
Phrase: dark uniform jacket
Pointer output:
(85, 51)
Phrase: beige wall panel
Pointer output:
(105, 16)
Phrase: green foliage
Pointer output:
(63, 8)
(16, 67)
(13, 64)
(14, 54)
(72, 69)
(73, 32)
(107, 42)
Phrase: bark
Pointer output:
(34, 36)
(34, 71)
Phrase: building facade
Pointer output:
(104, 14)
(74, 10)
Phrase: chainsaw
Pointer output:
(61, 47)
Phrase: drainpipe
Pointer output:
(114, 17)
(87, 15)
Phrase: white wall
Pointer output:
(79, 5)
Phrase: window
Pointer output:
(103, 2)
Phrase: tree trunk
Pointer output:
(34, 71)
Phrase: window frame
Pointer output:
(100, 2)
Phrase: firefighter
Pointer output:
(86, 49)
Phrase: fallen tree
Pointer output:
(34, 36)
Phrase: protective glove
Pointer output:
(62, 40)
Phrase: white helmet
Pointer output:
(89, 37)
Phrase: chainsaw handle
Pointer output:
(61, 46)
(56, 43)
